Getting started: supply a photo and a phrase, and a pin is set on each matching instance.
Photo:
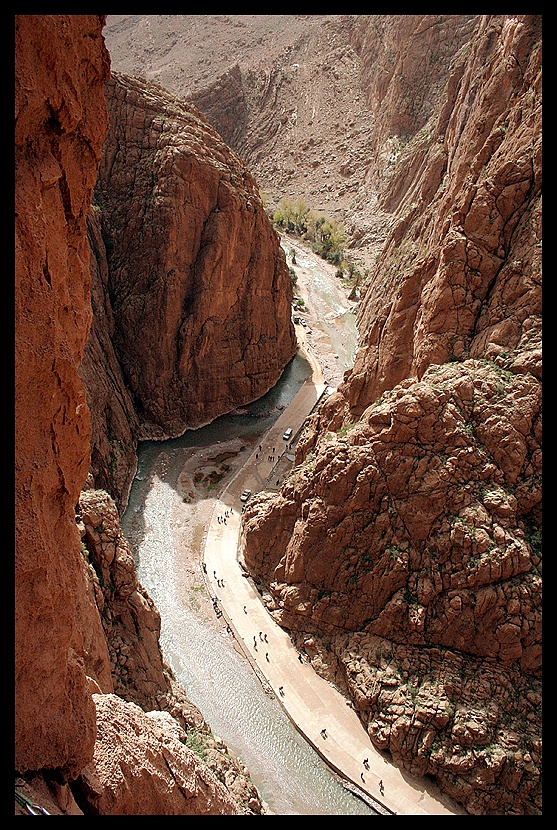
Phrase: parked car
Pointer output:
(245, 495)
(287, 434)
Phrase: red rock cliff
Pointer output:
(404, 552)
(61, 69)
(70, 726)
(199, 288)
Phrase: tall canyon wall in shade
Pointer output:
(191, 284)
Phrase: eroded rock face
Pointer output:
(131, 622)
(412, 521)
(199, 288)
(142, 766)
(61, 69)
(133, 669)
(71, 575)
(419, 525)
(460, 273)
(403, 522)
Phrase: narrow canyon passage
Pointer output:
(170, 505)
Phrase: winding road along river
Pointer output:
(167, 535)
(183, 521)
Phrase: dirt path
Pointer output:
(317, 330)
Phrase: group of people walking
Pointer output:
(262, 638)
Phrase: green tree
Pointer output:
(291, 216)
(326, 236)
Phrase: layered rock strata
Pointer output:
(460, 271)
(199, 290)
(404, 552)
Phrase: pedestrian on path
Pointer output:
(323, 733)
(381, 788)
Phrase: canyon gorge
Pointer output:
(402, 552)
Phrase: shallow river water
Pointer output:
(289, 774)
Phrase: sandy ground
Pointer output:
(204, 474)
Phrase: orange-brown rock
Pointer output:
(405, 60)
(131, 622)
(397, 523)
(460, 272)
(133, 668)
(199, 288)
(61, 68)
(411, 525)
(71, 574)
(142, 766)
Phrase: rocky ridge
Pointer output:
(407, 541)
(308, 101)
(132, 670)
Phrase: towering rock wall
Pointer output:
(87, 648)
(404, 551)
(199, 290)
(460, 272)
(404, 64)
(61, 68)
(190, 288)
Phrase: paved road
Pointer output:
(311, 702)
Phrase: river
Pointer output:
(166, 534)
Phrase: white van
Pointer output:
(287, 434)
